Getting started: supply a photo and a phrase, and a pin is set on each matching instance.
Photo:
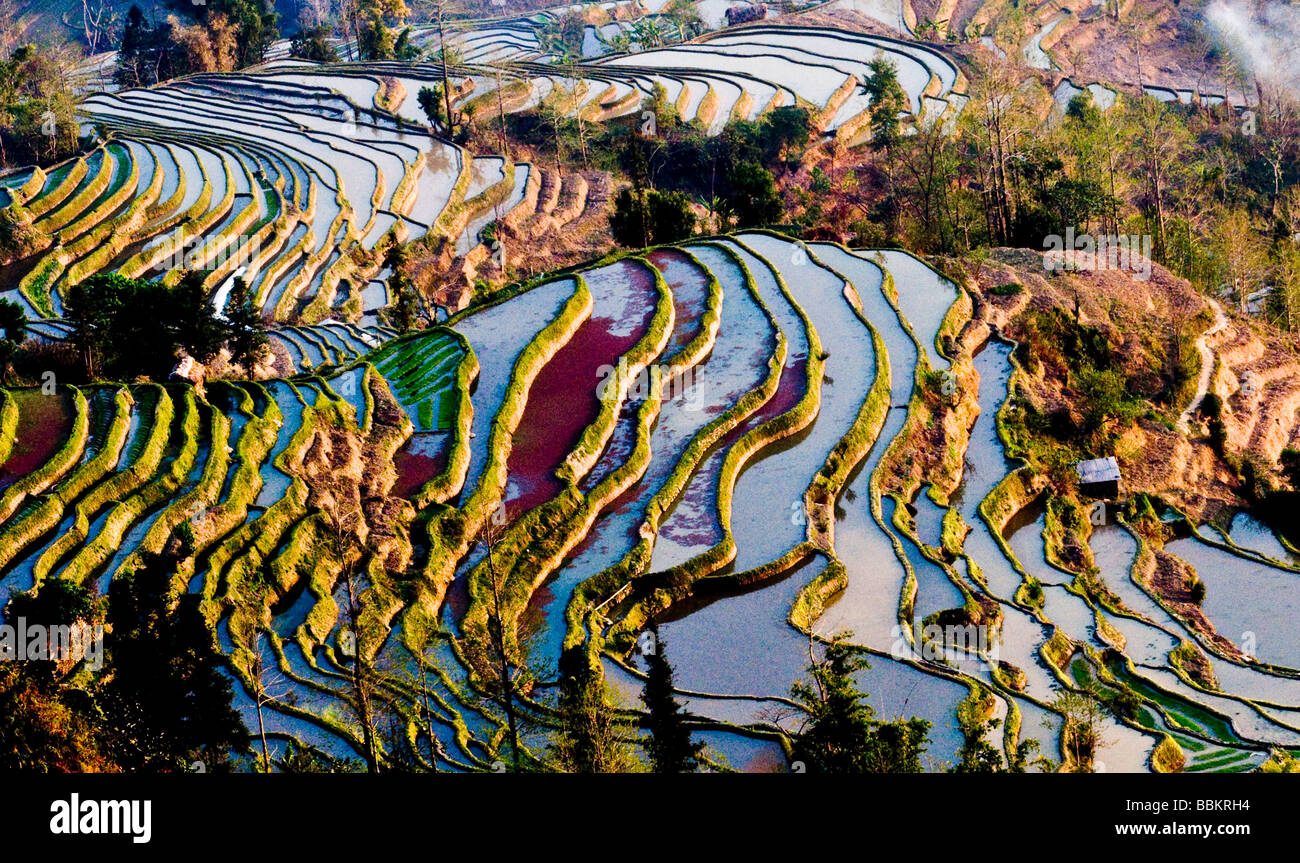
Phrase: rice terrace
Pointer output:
(861, 386)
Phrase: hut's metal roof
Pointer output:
(1098, 470)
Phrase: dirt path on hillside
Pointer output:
(1207, 363)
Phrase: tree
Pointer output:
(91, 307)
(95, 19)
(1242, 258)
(440, 9)
(430, 99)
(503, 687)
(344, 520)
(313, 44)
(298, 758)
(421, 684)
(751, 196)
(1083, 715)
(165, 694)
(48, 728)
(119, 324)
(245, 330)
(1289, 459)
(977, 755)
(670, 746)
(588, 738)
(214, 47)
(1104, 399)
(18, 238)
(38, 112)
(198, 329)
(56, 602)
(1160, 145)
(888, 101)
(214, 36)
(839, 733)
(405, 309)
(267, 683)
(255, 22)
(644, 217)
(373, 20)
(140, 54)
(13, 332)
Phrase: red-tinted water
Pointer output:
(563, 399)
(422, 458)
(690, 287)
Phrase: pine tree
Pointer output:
(587, 740)
(670, 746)
(246, 332)
(840, 734)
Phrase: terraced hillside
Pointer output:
(748, 441)
(698, 433)
(730, 74)
(295, 176)
(293, 186)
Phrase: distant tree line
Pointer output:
(216, 36)
(38, 122)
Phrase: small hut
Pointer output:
(1099, 478)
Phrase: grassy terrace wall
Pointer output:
(597, 433)
(71, 180)
(546, 529)
(121, 191)
(32, 187)
(103, 545)
(849, 451)
(55, 220)
(259, 435)
(104, 241)
(314, 259)
(549, 548)
(920, 413)
(654, 593)
(236, 568)
(816, 596)
(117, 487)
(441, 488)
(203, 495)
(142, 261)
(38, 521)
(1016, 491)
(452, 220)
(60, 463)
(825, 488)
(8, 424)
(450, 533)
